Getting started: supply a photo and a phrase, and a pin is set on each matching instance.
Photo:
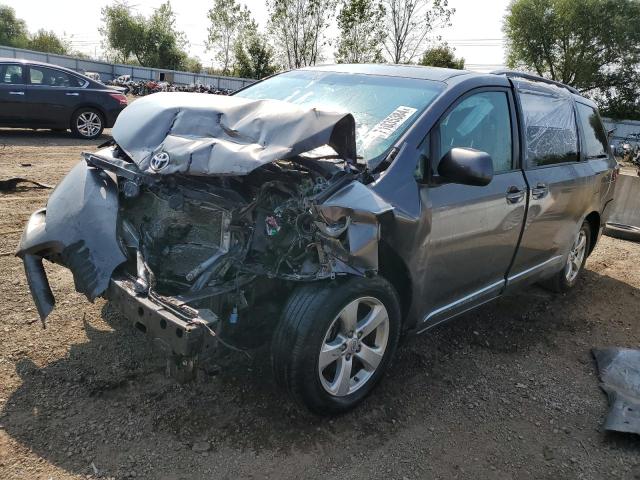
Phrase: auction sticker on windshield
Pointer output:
(390, 124)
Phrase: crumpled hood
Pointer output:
(200, 134)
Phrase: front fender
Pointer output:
(364, 208)
(78, 229)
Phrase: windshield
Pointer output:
(383, 107)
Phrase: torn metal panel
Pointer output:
(357, 207)
(619, 371)
(78, 229)
(358, 197)
(195, 134)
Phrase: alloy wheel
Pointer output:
(353, 346)
(88, 124)
(576, 256)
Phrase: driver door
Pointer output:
(12, 94)
(474, 230)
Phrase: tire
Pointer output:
(87, 123)
(566, 279)
(316, 317)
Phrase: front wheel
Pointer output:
(87, 123)
(566, 279)
(334, 342)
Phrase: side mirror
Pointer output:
(466, 166)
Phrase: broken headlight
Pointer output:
(334, 229)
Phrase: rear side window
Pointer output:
(11, 74)
(481, 121)
(595, 138)
(52, 78)
(550, 128)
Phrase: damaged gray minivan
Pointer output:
(327, 210)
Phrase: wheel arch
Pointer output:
(594, 222)
(394, 269)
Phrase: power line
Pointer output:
(477, 39)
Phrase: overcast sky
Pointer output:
(476, 32)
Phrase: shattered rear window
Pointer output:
(550, 123)
(383, 107)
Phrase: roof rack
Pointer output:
(533, 78)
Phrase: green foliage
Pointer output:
(152, 42)
(254, 57)
(409, 24)
(593, 45)
(362, 32)
(48, 41)
(298, 29)
(228, 22)
(79, 54)
(13, 30)
(441, 56)
(621, 102)
(192, 64)
(14, 33)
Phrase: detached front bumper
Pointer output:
(77, 230)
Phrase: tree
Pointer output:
(592, 45)
(298, 28)
(254, 56)
(13, 30)
(153, 42)
(362, 32)
(441, 56)
(228, 21)
(409, 23)
(192, 64)
(621, 102)
(48, 41)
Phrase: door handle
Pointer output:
(515, 194)
(539, 191)
(74, 94)
(16, 93)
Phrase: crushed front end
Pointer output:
(194, 258)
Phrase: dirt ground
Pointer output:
(509, 391)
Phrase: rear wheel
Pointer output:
(567, 278)
(87, 123)
(335, 341)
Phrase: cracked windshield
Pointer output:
(380, 117)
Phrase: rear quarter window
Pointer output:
(550, 133)
(595, 137)
(52, 77)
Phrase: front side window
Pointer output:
(483, 122)
(595, 138)
(550, 127)
(11, 74)
(52, 78)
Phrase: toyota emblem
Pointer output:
(159, 161)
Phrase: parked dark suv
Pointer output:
(40, 95)
(326, 210)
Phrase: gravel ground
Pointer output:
(508, 391)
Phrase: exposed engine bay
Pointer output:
(195, 226)
(197, 238)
